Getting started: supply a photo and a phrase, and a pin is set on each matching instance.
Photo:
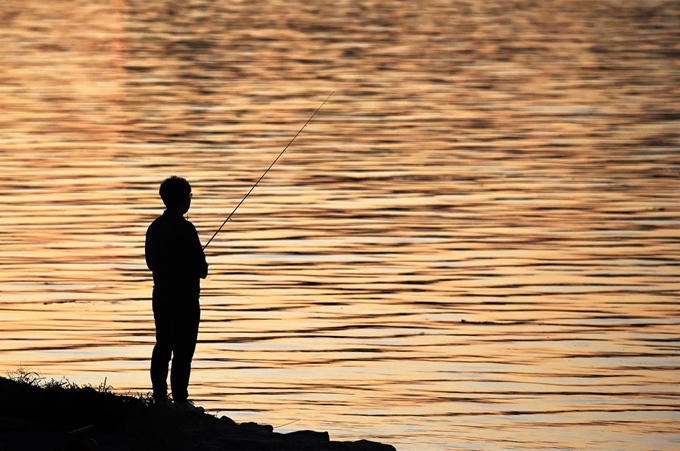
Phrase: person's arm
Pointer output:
(148, 248)
(199, 263)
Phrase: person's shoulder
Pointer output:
(159, 219)
(156, 222)
(189, 225)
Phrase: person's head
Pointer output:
(176, 193)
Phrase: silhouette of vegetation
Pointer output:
(36, 413)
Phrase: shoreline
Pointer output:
(59, 415)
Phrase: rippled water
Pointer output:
(474, 245)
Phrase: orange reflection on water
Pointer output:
(478, 231)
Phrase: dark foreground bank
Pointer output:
(58, 416)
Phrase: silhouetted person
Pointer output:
(174, 255)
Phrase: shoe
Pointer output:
(188, 406)
(164, 403)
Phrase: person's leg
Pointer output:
(185, 337)
(160, 358)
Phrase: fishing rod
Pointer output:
(265, 172)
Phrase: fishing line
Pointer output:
(265, 172)
(287, 424)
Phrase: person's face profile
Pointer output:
(186, 203)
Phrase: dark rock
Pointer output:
(307, 437)
(227, 421)
(260, 429)
(40, 416)
(361, 445)
(367, 445)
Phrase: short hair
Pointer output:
(174, 190)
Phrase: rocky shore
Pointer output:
(60, 416)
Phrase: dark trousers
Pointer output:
(177, 316)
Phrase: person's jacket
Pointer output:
(174, 254)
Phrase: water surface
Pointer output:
(474, 245)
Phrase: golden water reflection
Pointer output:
(473, 245)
